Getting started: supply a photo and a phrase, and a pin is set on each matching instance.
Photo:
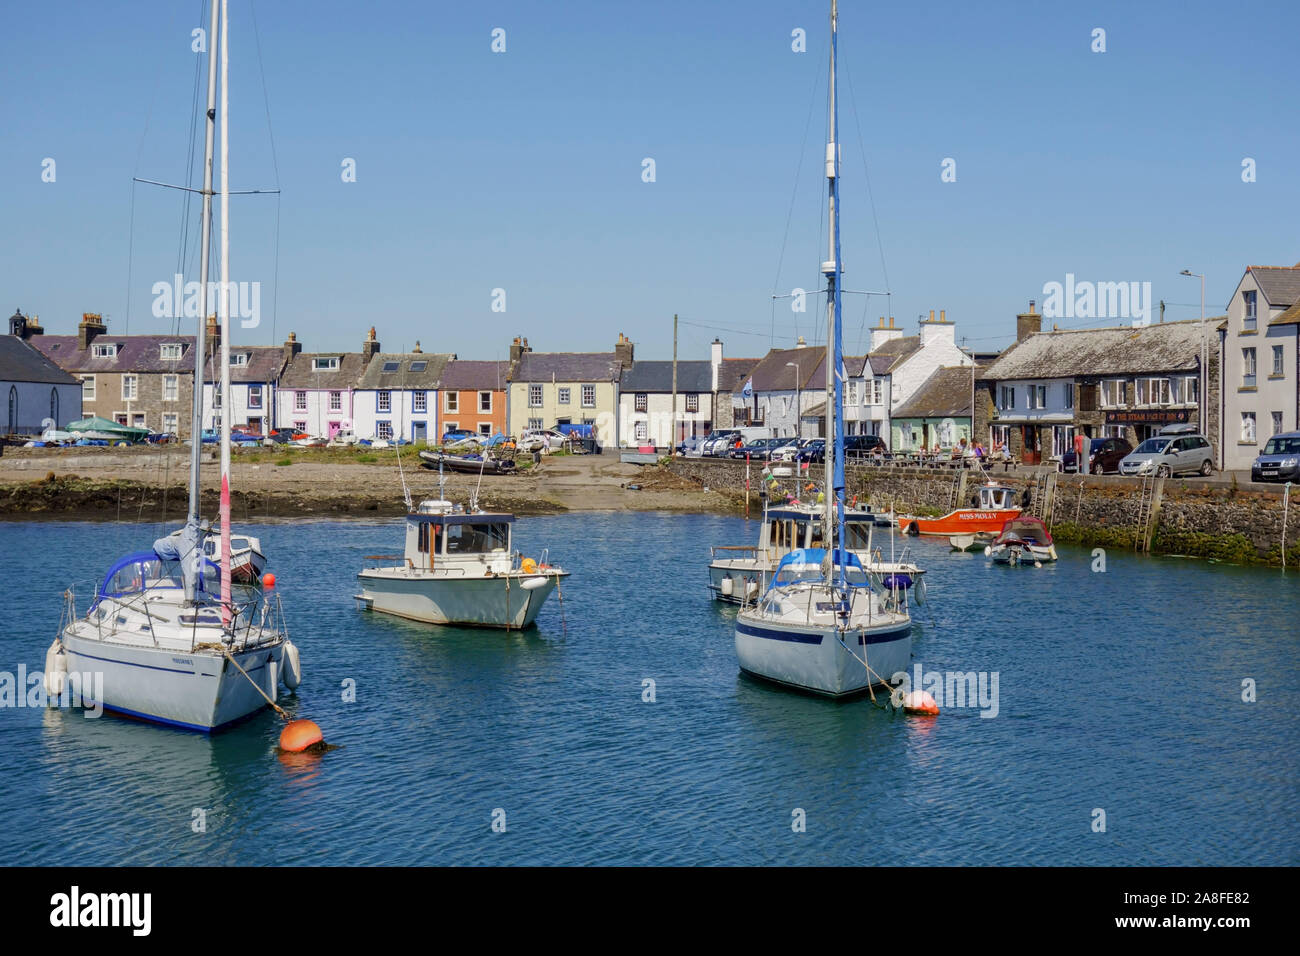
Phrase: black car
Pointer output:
(757, 450)
(857, 447)
(1104, 456)
(814, 451)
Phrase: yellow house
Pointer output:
(547, 389)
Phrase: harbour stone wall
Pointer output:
(1176, 516)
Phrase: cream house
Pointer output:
(1260, 346)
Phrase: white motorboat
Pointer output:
(738, 574)
(247, 562)
(459, 567)
(1024, 540)
(820, 625)
(166, 637)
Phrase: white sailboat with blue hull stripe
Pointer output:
(820, 626)
(167, 636)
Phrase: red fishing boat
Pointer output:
(994, 506)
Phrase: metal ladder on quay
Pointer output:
(1148, 511)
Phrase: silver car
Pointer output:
(1169, 453)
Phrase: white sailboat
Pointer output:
(171, 640)
(820, 626)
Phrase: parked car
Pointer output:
(537, 439)
(719, 441)
(1104, 455)
(1172, 452)
(788, 449)
(455, 435)
(1280, 459)
(690, 448)
(857, 447)
(812, 452)
(757, 450)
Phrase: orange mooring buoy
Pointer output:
(298, 735)
(921, 704)
(268, 580)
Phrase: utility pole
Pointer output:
(672, 436)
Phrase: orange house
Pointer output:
(472, 396)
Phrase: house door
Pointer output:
(1032, 453)
(255, 426)
(334, 429)
(419, 432)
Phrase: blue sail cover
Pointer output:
(806, 566)
(143, 570)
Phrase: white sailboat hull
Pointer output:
(817, 656)
(499, 600)
(196, 691)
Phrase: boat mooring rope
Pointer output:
(276, 707)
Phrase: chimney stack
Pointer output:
(883, 333)
(518, 348)
(213, 339)
(370, 347)
(291, 347)
(937, 331)
(715, 360)
(92, 325)
(417, 350)
(623, 350)
(1028, 323)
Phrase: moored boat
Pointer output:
(1023, 540)
(467, 464)
(459, 567)
(994, 505)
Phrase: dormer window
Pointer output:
(1250, 322)
(330, 364)
(238, 360)
(104, 349)
(170, 351)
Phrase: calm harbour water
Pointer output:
(1118, 690)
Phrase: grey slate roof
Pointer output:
(473, 374)
(945, 394)
(135, 353)
(1163, 347)
(1280, 284)
(20, 362)
(772, 375)
(581, 367)
(657, 376)
(299, 373)
(264, 364)
(409, 372)
(734, 372)
(896, 351)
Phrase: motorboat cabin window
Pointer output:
(858, 534)
(477, 537)
(428, 532)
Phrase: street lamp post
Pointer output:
(798, 409)
(1204, 396)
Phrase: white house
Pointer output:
(646, 415)
(397, 396)
(1260, 348)
(316, 392)
(37, 392)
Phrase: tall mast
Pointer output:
(834, 495)
(836, 421)
(225, 312)
(205, 230)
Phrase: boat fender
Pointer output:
(728, 586)
(56, 672)
(988, 550)
(920, 703)
(919, 592)
(1026, 499)
(532, 584)
(751, 588)
(291, 666)
(914, 529)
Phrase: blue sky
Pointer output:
(522, 170)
